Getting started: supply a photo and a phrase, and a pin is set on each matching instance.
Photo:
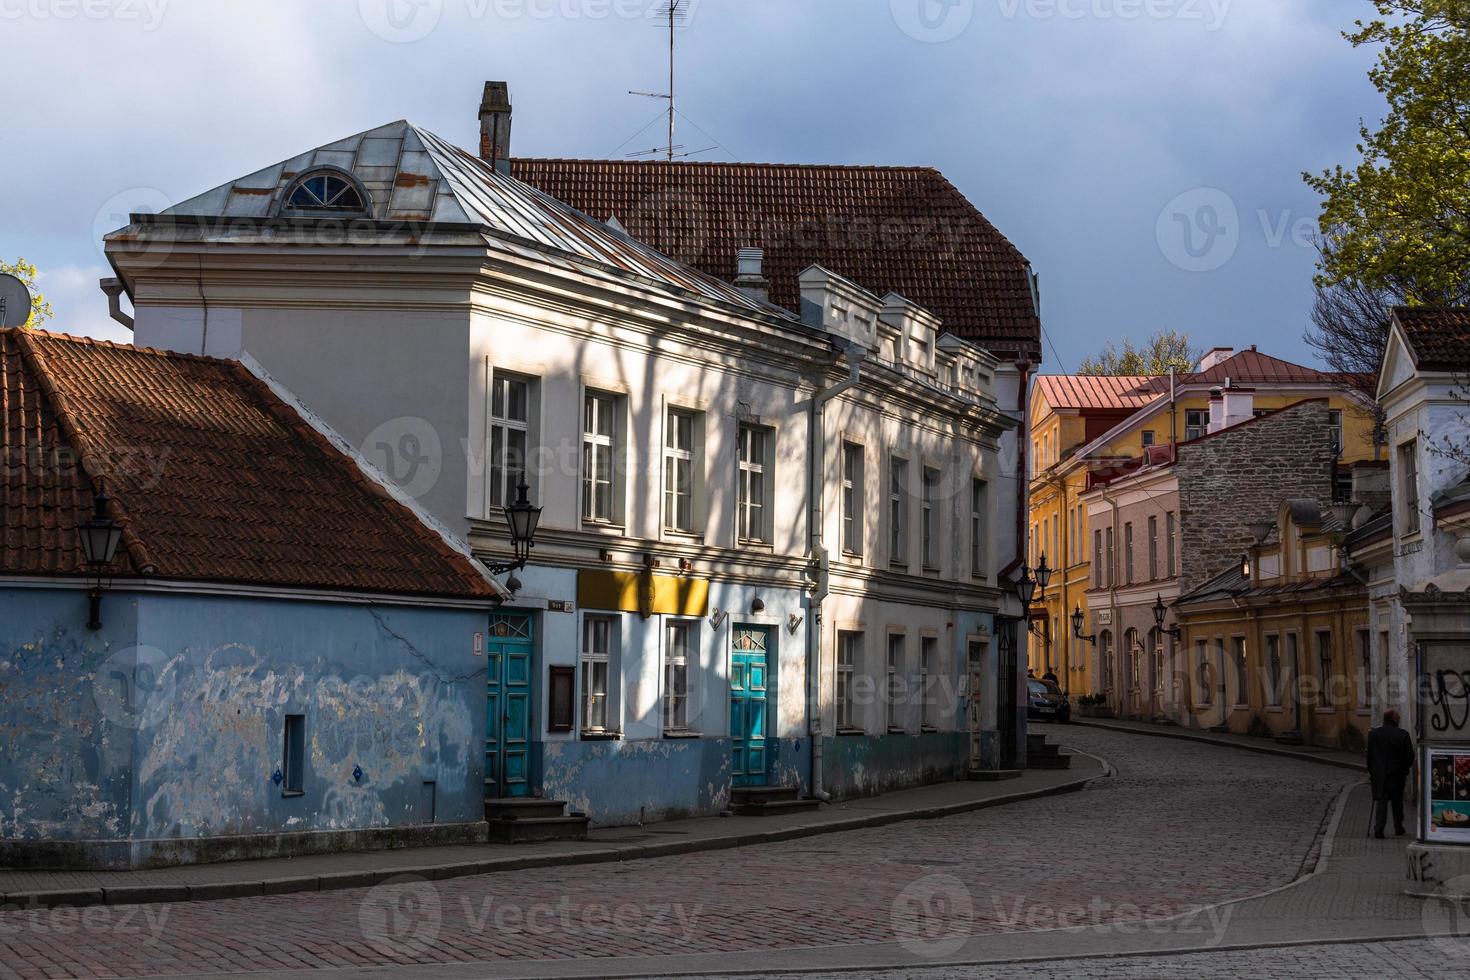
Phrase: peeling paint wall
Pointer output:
(65, 721)
(864, 765)
(618, 783)
(169, 726)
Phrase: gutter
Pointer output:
(817, 554)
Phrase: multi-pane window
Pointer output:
(894, 687)
(1148, 437)
(1365, 670)
(1203, 692)
(599, 438)
(852, 498)
(928, 674)
(848, 647)
(1325, 670)
(1110, 558)
(1237, 656)
(977, 528)
(679, 471)
(1334, 422)
(679, 655)
(1293, 657)
(1097, 559)
(510, 427)
(1196, 423)
(1169, 541)
(752, 484)
(1153, 548)
(1128, 552)
(929, 527)
(898, 532)
(1409, 482)
(598, 634)
(1273, 668)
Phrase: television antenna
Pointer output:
(15, 301)
(677, 13)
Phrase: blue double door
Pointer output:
(508, 707)
(752, 659)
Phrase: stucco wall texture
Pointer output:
(157, 739)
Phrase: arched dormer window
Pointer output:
(325, 191)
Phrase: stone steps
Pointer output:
(1042, 753)
(765, 801)
(521, 820)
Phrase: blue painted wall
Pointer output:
(864, 765)
(169, 724)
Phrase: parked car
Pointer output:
(1046, 702)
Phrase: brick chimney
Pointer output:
(495, 126)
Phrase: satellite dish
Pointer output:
(15, 301)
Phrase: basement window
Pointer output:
(293, 761)
(326, 191)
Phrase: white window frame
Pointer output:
(591, 657)
(1170, 530)
(978, 500)
(898, 506)
(853, 461)
(849, 657)
(1193, 431)
(895, 666)
(597, 407)
(754, 454)
(679, 659)
(1153, 547)
(929, 668)
(680, 509)
(1334, 421)
(1408, 459)
(501, 476)
(930, 520)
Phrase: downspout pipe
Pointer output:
(817, 554)
(114, 290)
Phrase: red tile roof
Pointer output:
(212, 476)
(1096, 392)
(1440, 337)
(901, 229)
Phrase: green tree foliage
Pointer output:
(1399, 221)
(26, 273)
(1165, 349)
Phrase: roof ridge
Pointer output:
(86, 451)
(902, 167)
(115, 345)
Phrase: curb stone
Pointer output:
(1190, 736)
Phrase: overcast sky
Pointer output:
(1145, 155)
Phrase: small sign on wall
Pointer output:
(560, 605)
(479, 644)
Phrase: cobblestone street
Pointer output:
(1179, 827)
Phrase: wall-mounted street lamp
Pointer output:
(100, 538)
(1160, 611)
(1077, 620)
(1043, 575)
(523, 519)
(1026, 587)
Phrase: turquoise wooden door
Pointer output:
(508, 714)
(751, 658)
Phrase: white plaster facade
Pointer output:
(396, 325)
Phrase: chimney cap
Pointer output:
(496, 97)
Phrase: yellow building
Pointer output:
(1279, 646)
(1084, 425)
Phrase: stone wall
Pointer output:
(1235, 477)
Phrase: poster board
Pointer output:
(1447, 800)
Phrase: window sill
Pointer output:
(852, 555)
(846, 732)
(600, 736)
(682, 734)
(897, 730)
(756, 544)
(927, 730)
(292, 793)
(609, 528)
(1274, 709)
(899, 566)
(693, 537)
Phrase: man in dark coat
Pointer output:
(1390, 760)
